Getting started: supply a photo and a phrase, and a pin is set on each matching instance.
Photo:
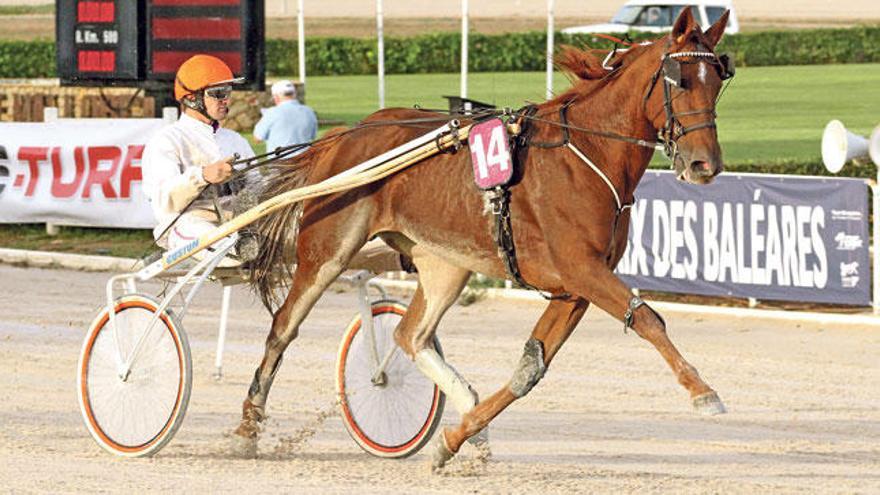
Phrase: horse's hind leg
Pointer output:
(326, 258)
(440, 283)
(553, 328)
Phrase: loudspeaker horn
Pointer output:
(840, 146)
(874, 146)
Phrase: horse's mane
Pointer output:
(584, 68)
(580, 64)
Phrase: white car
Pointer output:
(658, 17)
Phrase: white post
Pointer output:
(875, 192)
(301, 41)
(169, 114)
(221, 332)
(380, 34)
(464, 47)
(549, 49)
(50, 114)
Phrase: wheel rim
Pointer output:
(131, 416)
(392, 418)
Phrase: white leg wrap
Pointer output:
(456, 388)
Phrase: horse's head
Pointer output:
(680, 100)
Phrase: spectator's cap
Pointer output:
(283, 87)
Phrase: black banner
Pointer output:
(767, 237)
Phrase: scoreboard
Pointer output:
(98, 40)
(142, 42)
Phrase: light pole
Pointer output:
(550, 49)
(381, 53)
(464, 47)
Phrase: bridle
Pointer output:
(670, 71)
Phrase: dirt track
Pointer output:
(804, 406)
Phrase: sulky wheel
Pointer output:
(390, 414)
(136, 412)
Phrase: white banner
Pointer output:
(84, 172)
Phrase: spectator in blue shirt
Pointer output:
(288, 122)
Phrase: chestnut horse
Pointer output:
(569, 223)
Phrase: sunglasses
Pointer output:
(219, 92)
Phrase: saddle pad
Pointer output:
(490, 154)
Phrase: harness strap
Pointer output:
(620, 205)
(563, 123)
(570, 127)
(215, 200)
(710, 111)
(601, 174)
(499, 198)
(696, 127)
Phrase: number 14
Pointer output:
(497, 155)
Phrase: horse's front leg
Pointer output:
(551, 331)
(608, 292)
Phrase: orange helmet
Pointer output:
(200, 72)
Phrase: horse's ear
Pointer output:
(716, 31)
(683, 25)
(579, 63)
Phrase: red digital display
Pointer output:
(95, 12)
(182, 3)
(96, 60)
(169, 61)
(196, 28)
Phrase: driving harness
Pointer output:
(668, 135)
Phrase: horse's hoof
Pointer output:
(243, 447)
(441, 454)
(709, 404)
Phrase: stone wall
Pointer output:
(244, 109)
(23, 101)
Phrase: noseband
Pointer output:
(670, 70)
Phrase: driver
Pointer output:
(182, 159)
(194, 152)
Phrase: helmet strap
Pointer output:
(197, 103)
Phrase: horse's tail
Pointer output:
(271, 271)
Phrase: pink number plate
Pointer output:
(490, 154)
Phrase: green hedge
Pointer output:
(525, 51)
(496, 53)
(27, 59)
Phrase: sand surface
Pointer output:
(804, 406)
